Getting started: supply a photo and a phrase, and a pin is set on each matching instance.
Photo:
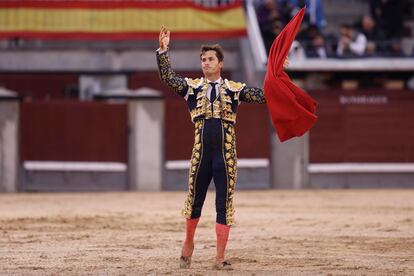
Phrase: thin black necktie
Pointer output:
(213, 91)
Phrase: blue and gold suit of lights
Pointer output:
(214, 151)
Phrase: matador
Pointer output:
(212, 102)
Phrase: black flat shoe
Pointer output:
(223, 265)
(185, 262)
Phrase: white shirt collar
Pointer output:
(217, 81)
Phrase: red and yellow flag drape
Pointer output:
(118, 20)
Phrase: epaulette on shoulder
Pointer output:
(234, 86)
(194, 83)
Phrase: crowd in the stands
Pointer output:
(376, 34)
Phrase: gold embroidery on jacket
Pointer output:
(201, 103)
(197, 155)
(222, 106)
(234, 86)
(193, 84)
(253, 95)
(230, 159)
(168, 76)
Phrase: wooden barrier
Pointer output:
(73, 131)
(363, 126)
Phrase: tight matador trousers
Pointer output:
(213, 156)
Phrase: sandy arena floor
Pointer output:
(368, 232)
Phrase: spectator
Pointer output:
(388, 15)
(267, 11)
(393, 48)
(317, 48)
(375, 36)
(308, 34)
(269, 20)
(285, 11)
(351, 43)
(314, 42)
(375, 9)
(275, 28)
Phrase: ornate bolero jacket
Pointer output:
(195, 91)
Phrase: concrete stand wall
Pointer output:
(145, 153)
(290, 163)
(9, 127)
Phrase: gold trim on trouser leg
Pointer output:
(230, 158)
(196, 157)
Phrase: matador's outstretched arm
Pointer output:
(167, 75)
(252, 95)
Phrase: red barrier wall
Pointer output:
(39, 86)
(73, 131)
(363, 126)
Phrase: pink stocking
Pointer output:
(190, 228)
(222, 233)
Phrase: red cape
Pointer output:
(292, 109)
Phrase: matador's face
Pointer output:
(210, 64)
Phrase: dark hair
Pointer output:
(216, 47)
